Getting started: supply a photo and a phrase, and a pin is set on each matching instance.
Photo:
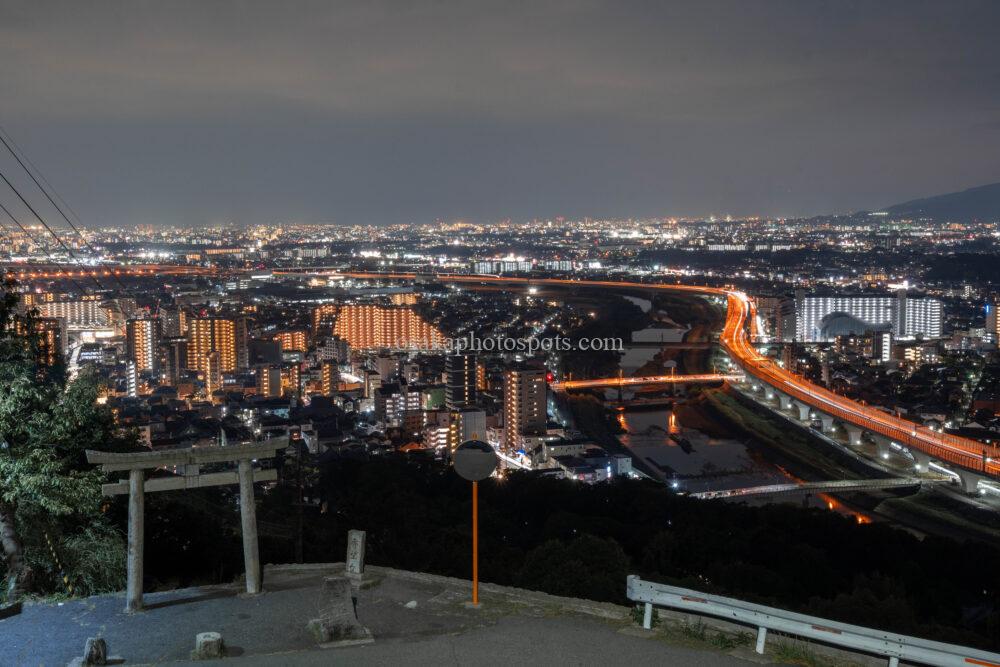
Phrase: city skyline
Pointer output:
(681, 316)
(378, 114)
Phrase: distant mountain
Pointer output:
(982, 203)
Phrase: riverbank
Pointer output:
(933, 511)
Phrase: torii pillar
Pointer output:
(188, 460)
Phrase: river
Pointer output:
(697, 461)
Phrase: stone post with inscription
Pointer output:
(355, 566)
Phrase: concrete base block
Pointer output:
(208, 646)
(95, 652)
(338, 624)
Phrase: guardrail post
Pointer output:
(647, 616)
(893, 661)
(761, 638)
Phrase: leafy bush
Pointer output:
(94, 559)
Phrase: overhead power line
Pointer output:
(32, 238)
(9, 144)
(62, 243)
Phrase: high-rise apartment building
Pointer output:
(52, 332)
(882, 346)
(132, 378)
(368, 327)
(213, 372)
(329, 376)
(173, 321)
(823, 318)
(295, 340)
(269, 380)
(464, 425)
(460, 380)
(291, 379)
(335, 348)
(52, 336)
(992, 321)
(78, 313)
(524, 397)
(323, 316)
(176, 358)
(225, 335)
(142, 343)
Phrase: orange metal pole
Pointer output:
(475, 543)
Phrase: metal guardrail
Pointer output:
(864, 640)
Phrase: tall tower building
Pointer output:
(213, 372)
(882, 345)
(52, 332)
(291, 379)
(52, 336)
(174, 321)
(269, 380)
(464, 425)
(132, 378)
(524, 396)
(993, 320)
(142, 343)
(329, 376)
(225, 335)
(460, 380)
(176, 358)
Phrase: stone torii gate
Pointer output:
(188, 460)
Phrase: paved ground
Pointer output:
(511, 627)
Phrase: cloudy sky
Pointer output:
(371, 112)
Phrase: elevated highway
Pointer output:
(23, 272)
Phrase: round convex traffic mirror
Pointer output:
(475, 460)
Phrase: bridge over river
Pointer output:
(832, 486)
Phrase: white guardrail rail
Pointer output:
(864, 640)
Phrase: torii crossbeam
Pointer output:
(189, 460)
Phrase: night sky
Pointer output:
(372, 113)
